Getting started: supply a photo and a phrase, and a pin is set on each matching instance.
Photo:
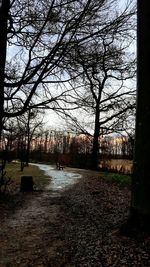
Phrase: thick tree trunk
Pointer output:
(4, 10)
(140, 202)
(141, 173)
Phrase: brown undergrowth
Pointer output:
(74, 227)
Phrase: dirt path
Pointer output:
(71, 226)
(23, 232)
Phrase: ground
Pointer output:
(74, 227)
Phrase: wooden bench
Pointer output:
(59, 166)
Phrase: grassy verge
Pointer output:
(13, 171)
(121, 179)
(13, 198)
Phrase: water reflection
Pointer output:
(60, 179)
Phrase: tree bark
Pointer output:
(139, 220)
(4, 13)
(95, 150)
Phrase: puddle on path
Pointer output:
(60, 179)
(21, 235)
(36, 207)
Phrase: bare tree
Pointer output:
(35, 37)
(20, 132)
(28, 124)
(105, 66)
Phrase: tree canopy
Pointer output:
(36, 39)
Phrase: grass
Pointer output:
(13, 171)
(13, 198)
(121, 179)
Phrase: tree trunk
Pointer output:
(28, 146)
(27, 152)
(139, 220)
(4, 10)
(95, 150)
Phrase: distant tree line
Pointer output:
(66, 147)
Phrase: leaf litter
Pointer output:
(70, 227)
